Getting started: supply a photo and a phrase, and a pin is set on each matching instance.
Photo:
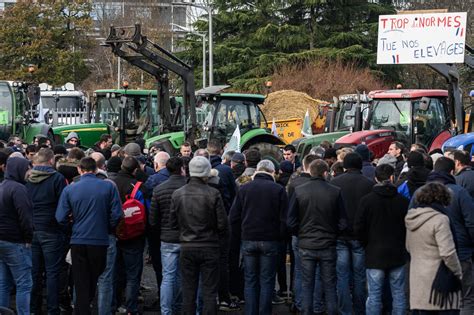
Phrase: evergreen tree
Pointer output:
(51, 35)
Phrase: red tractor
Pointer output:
(408, 116)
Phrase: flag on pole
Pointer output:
(306, 130)
(234, 142)
(274, 128)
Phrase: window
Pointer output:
(428, 124)
(6, 104)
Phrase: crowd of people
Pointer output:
(361, 235)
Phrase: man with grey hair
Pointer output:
(162, 174)
(198, 210)
(261, 225)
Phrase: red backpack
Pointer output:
(133, 223)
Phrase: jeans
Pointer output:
(467, 287)
(351, 265)
(170, 293)
(318, 304)
(375, 282)
(47, 251)
(130, 260)
(422, 312)
(105, 285)
(15, 269)
(326, 259)
(260, 260)
(199, 263)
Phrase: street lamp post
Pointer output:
(182, 29)
(208, 9)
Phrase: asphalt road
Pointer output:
(148, 280)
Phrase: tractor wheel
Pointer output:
(269, 151)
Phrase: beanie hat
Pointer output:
(330, 153)
(286, 167)
(363, 151)
(199, 167)
(114, 164)
(60, 149)
(132, 149)
(352, 161)
(115, 147)
(71, 135)
(252, 157)
(238, 157)
(415, 159)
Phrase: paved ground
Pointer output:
(148, 279)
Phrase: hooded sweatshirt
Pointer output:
(380, 226)
(15, 204)
(45, 186)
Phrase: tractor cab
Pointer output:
(6, 110)
(408, 116)
(224, 112)
(129, 112)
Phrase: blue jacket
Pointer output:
(260, 210)
(460, 213)
(45, 186)
(154, 180)
(226, 180)
(95, 208)
(465, 178)
(16, 224)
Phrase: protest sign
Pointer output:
(421, 38)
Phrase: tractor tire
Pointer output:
(269, 151)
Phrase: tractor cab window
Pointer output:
(392, 114)
(430, 122)
(6, 104)
(62, 102)
(346, 117)
(233, 113)
(107, 110)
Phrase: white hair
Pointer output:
(266, 166)
(161, 158)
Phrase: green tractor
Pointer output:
(123, 113)
(205, 114)
(346, 116)
(18, 112)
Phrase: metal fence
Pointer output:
(72, 116)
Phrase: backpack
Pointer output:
(134, 219)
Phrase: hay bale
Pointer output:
(287, 104)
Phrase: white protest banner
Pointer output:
(421, 38)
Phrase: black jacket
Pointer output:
(259, 211)
(16, 220)
(380, 226)
(295, 182)
(353, 186)
(198, 210)
(161, 206)
(45, 186)
(317, 214)
(465, 178)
